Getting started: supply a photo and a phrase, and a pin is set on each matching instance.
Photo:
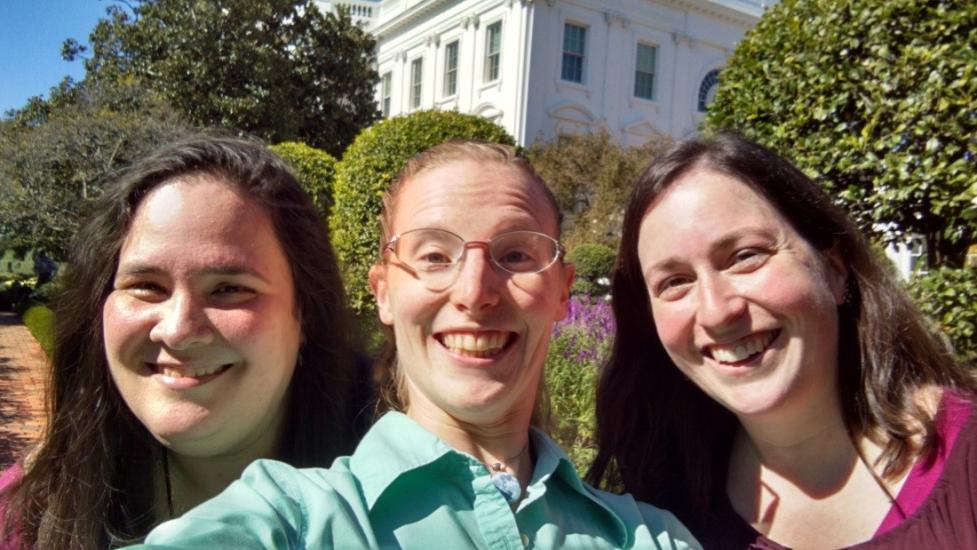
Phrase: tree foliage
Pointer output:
(365, 172)
(315, 170)
(56, 154)
(592, 177)
(594, 264)
(949, 297)
(876, 100)
(278, 69)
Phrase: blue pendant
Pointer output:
(508, 485)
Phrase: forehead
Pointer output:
(200, 215)
(475, 197)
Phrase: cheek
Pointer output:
(122, 325)
(672, 325)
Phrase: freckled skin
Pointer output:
(723, 265)
(203, 282)
(477, 202)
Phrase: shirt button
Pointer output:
(525, 540)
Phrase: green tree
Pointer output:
(876, 100)
(592, 176)
(278, 69)
(56, 155)
(315, 170)
(366, 170)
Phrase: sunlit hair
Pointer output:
(664, 440)
(391, 387)
(90, 483)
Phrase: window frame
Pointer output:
(450, 73)
(386, 95)
(416, 82)
(492, 60)
(653, 74)
(578, 57)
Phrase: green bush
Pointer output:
(592, 176)
(594, 263)
(365, 171)
(949, 297)
(39, 320)
(315, 170)
(876, 100)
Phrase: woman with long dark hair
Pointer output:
(202, 325)
(770, 381)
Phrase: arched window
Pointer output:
(707, 90)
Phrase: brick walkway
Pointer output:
(23, 367)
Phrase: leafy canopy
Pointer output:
(876, 100)
(279, 69)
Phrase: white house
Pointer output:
(638, 68)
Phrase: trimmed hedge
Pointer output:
(39, 320)
(594, 263)
(315, 170)
(367, 168)
(949, 297)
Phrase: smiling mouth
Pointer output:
(172, 371)
(480, 345)
(742, 351)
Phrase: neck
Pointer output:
(504, 440)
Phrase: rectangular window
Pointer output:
(450, 69)
(644, 72)
(416, 66)
(385, 85)
(493, 51)
(574, 46)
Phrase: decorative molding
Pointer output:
(471, 20)
(432, 39)
(612, 17)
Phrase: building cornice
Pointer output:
(408, 17)
(734, 11)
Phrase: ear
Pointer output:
(378, 285)
(569, 271)
(837, 272)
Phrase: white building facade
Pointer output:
(639, 68)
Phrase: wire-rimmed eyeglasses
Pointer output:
(434, 255)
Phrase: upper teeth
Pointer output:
(178, 373)
(481, 344)
(739, 351)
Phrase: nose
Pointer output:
(182, 323)
(477, 287)
(720, 304)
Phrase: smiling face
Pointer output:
(475, 350)
(201, 328)
(743, 305)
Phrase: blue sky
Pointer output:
(31, 33)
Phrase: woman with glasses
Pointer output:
(470, 281)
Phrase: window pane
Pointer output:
(644, 72)
(450, 69)
(574, 39)
(415, 77)
(646, 58)
(385, 94)
(493, 47)
(574, 47)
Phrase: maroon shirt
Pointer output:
(9, 479)
(939, 499)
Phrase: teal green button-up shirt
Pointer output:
(405, 488)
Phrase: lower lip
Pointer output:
(186, 382)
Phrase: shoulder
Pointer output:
(10, 478)
(645, 520)
(274, 505)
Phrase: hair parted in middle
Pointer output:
(391, 387)
(662, 438)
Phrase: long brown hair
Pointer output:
(663, 439)
(90, 482)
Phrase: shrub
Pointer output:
(592, 176)
(39, 320)
(580, 345)
(594, 263)
(315, 170)
(949, 297)
(876, 100)
(364, 173)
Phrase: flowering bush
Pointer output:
(580, 345)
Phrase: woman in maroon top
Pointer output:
(770, 381)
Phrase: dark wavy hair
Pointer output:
(90, 484)
(664, 440)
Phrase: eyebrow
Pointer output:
(726, 242)
(225, 270)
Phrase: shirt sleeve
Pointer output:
(667, 530)
(269, 507)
